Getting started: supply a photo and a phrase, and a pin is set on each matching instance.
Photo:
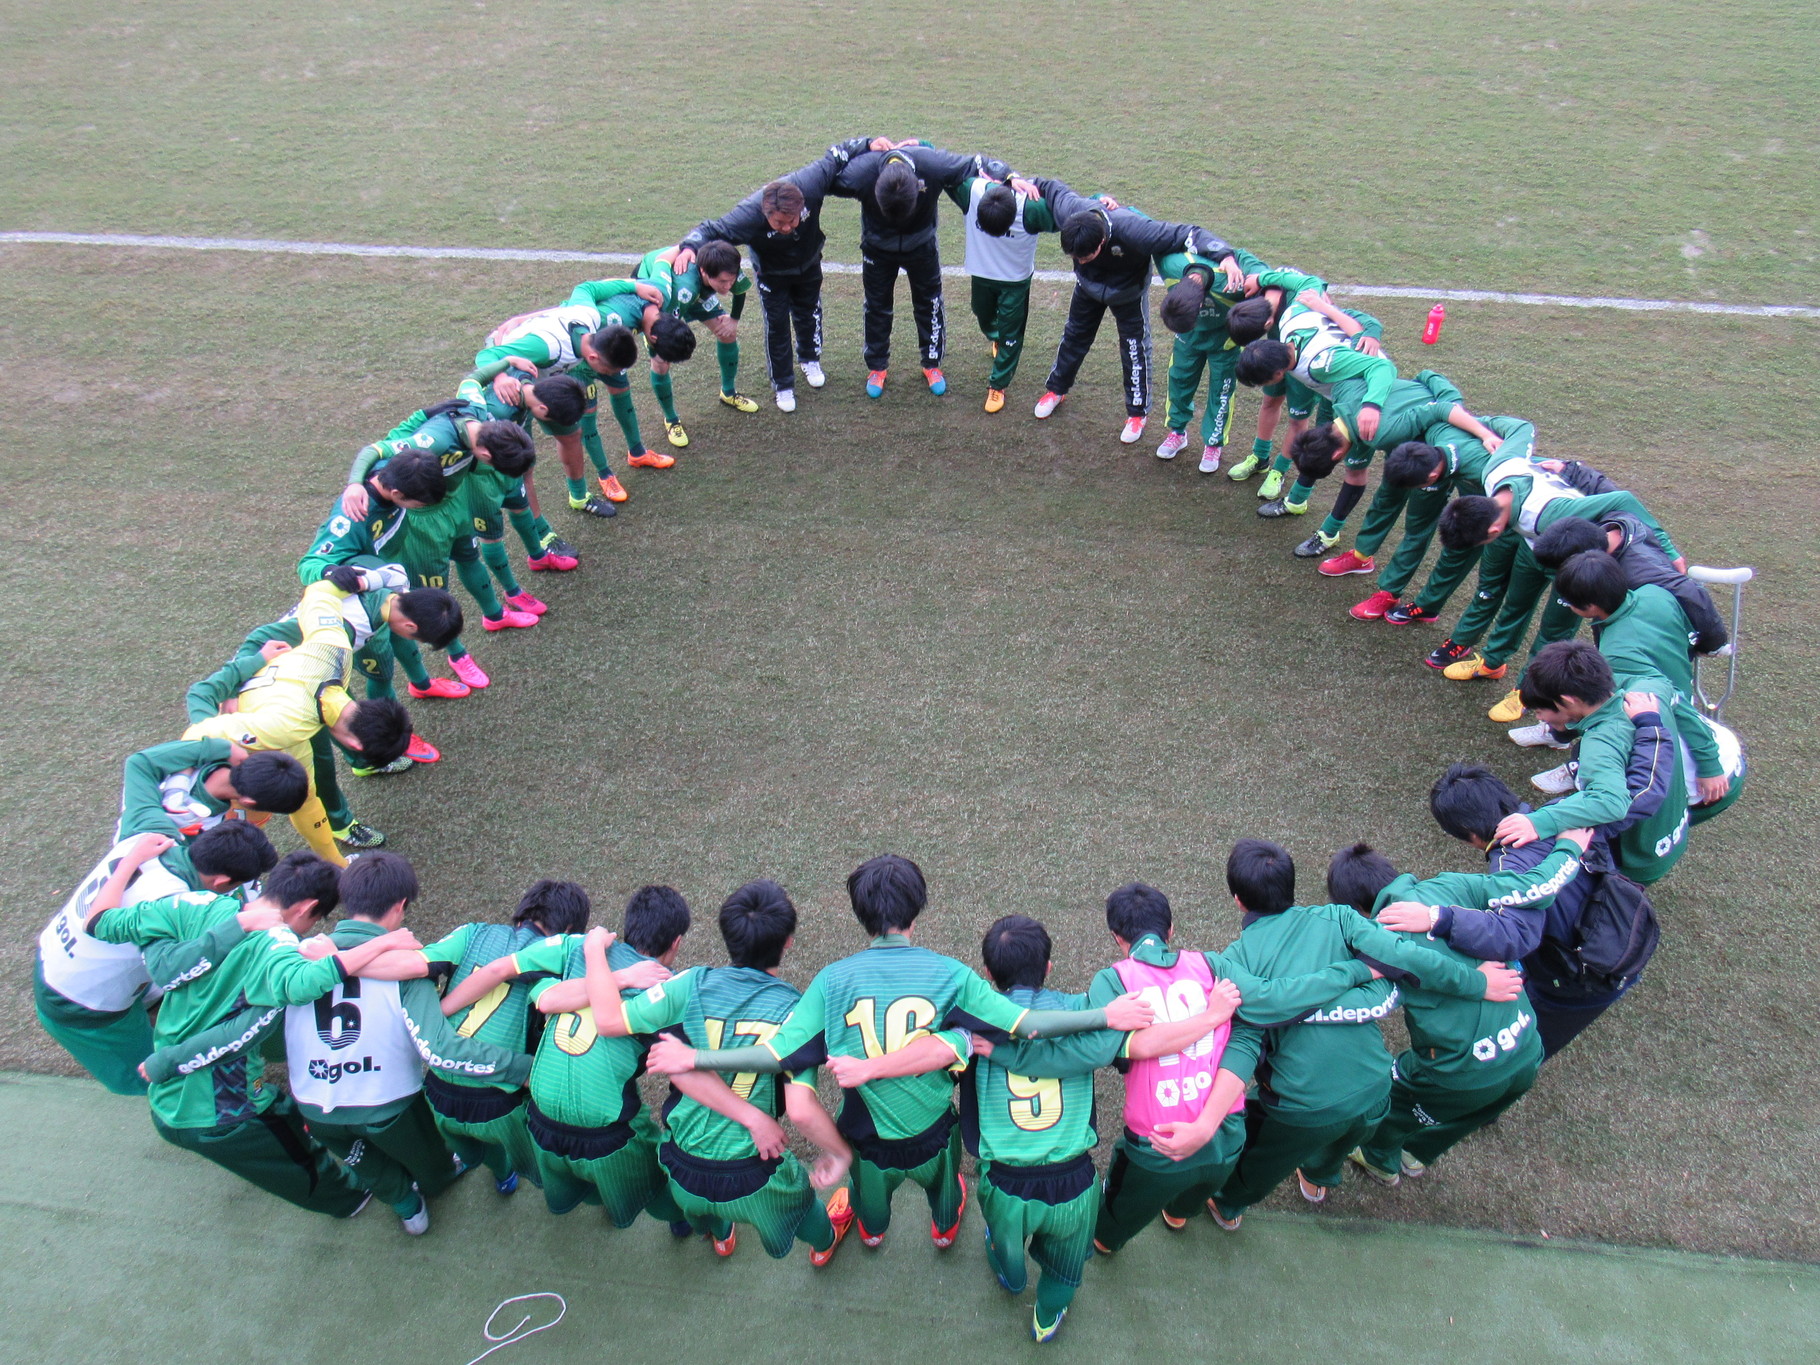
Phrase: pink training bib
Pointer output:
(1173, 1089)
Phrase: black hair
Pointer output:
(415, 475)
(435, 613)
(563, 397)
(887, 893)
(303, 876)
(1136, 909)
(1566, 538)
(1469, 800)
(1084, 233)
(896, 191)
(1592, 578)
(717, 258)
(508, 446)
(1316, 451)
(553, 907)
(1248, 319)
(235, 849)
(1182, 303)
(616, 345)
(1567, 668)
(1261, 362)
(1412, 464)
(1262, 875)
(756, 922)
(374, 882)
(1356, 875)
(1466, 521)
(656, 917)
(997, 210)
(1016, 952)
(383, 727)
(672, 339)
(781, 196)
(272, 780)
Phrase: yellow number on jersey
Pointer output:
(756, 1032)
(906, 1019)
(575, 1033)
(482, 1009)
(1036, 1103)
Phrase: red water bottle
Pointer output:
(1432, 332)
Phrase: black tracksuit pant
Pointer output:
(1133, 319)
(786, 299)
(924, 267)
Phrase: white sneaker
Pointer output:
(418, 1223)
(1556, 781)
(1133, 431)
(1172, 445)
(1535, 736)
(1210, 459)
(812, 371)
(786, 400)
(1048, 403)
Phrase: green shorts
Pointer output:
(109, 1046)
(502, 1141)
(1030, 1206)
(624, 1180)
(1302, 399)
(434, 535)
(775, 1209)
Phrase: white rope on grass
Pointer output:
(516, 1332)
(278, 247)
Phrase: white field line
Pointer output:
(481, 253)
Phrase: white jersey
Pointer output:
(1314, 337)
(550, 326)
(360, 622)
(1544, 488)
(105, 977)
(352, 1048)
(1011, 258)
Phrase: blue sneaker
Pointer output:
(509, 1185)
(938, 382)
(1040, 1333)
(875, 384)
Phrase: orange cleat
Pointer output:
(650, 459)
(615, 491)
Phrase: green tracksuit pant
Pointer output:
(276, 1152)
(1428, 1114)
(1420, 510)
(1221, 361)
(109, 1046)
(1276, 1148)
(389, 1158)
(503, 1143)
(1058, 1237)
(1510, 585)
(1003, 310)
(1136, 1191)
(626, 1182)
(786, 1210)
(940, 1177)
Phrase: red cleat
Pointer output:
(551, 562)
(1350, 562)
(469, 672)
(421, 750)
(1374, 607)
(510, 620)
(446, 688)
(523, 601)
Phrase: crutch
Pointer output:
(1737, 578)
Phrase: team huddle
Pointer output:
(193, 953)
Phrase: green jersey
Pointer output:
(685, 295)
(503, 1016)
(1649, 633)
(716, 1007)
(343, 540)
(1325, 358)
(1020, 1120)
(580, 1078)
(1408, 410)
(440, 430)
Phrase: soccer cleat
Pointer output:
(1313, 1193)
(523, 601)
(1412, 1168)
(1509, 709)
(612, 489)
(358, 835)
(786, 400)
(420, 750)
(418, 1223)
(1048, 403)
(1350, 562)
(469, 672)
(1446, 653)
(1373, 607)
(840, 1214)
(461, 1167)
(944, 1240)
(739, 403)
(728, 1246)
(1210, 459)
(1133, 430)
(1282, 507)
(1556, 781)
(1172, 445)
(678, 438)
(1244, 469)
(655, 459)
(1173, 1223)
(938, 382)
(551, 562)
(875, 383)
(1272, 486)
(446, 688)
(397, 765)
(508, 1183)
(510, 620)
(1472, 668)
(995, 400)
(1390, 1178)
(812, 371)
(871, 1241)
(1537, 736)
(1039, 1332)
(1230, 1224)
(1408, 614)
(1317, 544)
(1102, 1248)
(554, 544)
(594, 506)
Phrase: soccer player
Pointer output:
(1635, 546)
(1419, 477)
(1467, 1060)
(692, 293)
(725, 1156)
(92, 997)
(555, 402)
(876, 1001)
(185, 787)
(899, 193)
(228, 1113)
(781, 225)
(1329, 1082)
(1112, 248)
(1002, 222)
(357, 1055)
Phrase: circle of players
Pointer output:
(515, 1044)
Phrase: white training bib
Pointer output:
(551, 326)
(352, 1048)
(1008, 258)
(1544, 488)
(106, 977)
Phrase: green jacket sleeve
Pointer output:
(282, 975)
(445, 1050)
(206, 698)
(1243, 1047)
(1268, 1001)
(1060, 1058)
(172, 963)
(1377, 372)
(236, 1036)
(1430, 969)
(529, 347)
(1698, 736)
(596, 292)
(141, 802)
(1538, 886)
(1604, 797)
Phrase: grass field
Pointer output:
(1037, 661)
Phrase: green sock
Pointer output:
(1260, 449)
(1052, 1299)
(494, 553)
(473, 575)
(620, 401)
(1299, 494)
(666, 395)
(409, 1208)
(545, 533)
(727, 353)
(410, 659)
(456, 650)
(1331, 528)
(1280, 465)
(578, 491)
(526, 526)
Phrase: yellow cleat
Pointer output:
(1509, 710)
(738, 402)
(995, 400)
(678, 437)
(1471, 668)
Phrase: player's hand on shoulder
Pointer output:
(354, 502)
(261, 915)
(1515, 829)
(1224, 1000)
(399, 939)
(149, 846)
(1582, 838)
(1502, 985)
(641, 976)
(1130, 1011)
(1408, 917)
(316, 947)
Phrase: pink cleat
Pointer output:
(523, 601)
(468, 671)
(510, 620)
